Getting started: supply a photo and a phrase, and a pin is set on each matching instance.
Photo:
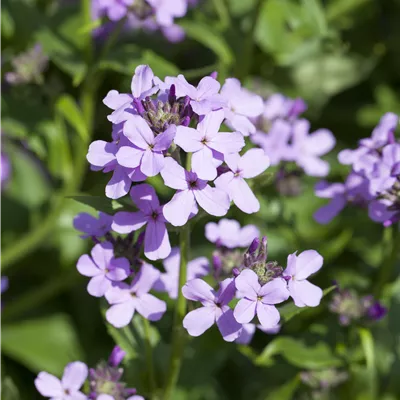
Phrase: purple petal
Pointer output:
(156, 241)
(188, 139)
(326, 190)
(174, 175)
(142, 80)
(120, 269)
(228, 326)
(291, 265)
(207, 87)
(197, 268)
(308, 262)
(202, 164)
(320, 142)
(178, 209)
(212, 232)
(226, 291)
(145, 279)
(126, 222)
(274, 292)
(378, 211)
(241, 124)
(232, 160)
(75, 375)
(102, 253)
(150, 307)
(198, 321)
(48, 385)
(246, 334)
(87, 267)
(163, 141)
(213, 200)
(247, 284)
(245, 310)
(198, 290)
(171, 263)
(101, 153)
(210, 124)
(120, 292)
(227, 143)
(138, 132)
(129, 157)
(247, 235)
(116, 100)
(267, 315)
(325, 214)
(305, 293)
(120, 315)
(98, 286)
(224, 182)
(253, 163)
(119, 185)
(152, 163)
(243, 196)
(145, 198)
(313, 166)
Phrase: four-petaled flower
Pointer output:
(92, 226)
(156, 240)
(103, 268)
(260, 300)
(215, 309)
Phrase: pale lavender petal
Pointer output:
(150, 307)
(232, 160)
(327, 190)
(119, 185)
(205, 106)
(135, 175)
(246, 334)
(86, 266)
(241, 124)
(156, 241)
(145, 279)
(152, 163)
(213, 200)
(198, 290)
(247, 284)
(224, 182)
(320, 142)
(313, 166)
(247, 235)
(120, 315)
(115, 100)
(198, 321)
(105, 397)
(210, 124)
(171, 263)
(77, 396)
(229, 232)
(253, 163)
(138, 132)
(267, 315)
(178, 209)
(98, 286)
(245, 310)
(142, 80)
(174, 175)
(207, 87)
(163, 141)
(228, 326)
(243, 196)
(102, 253)
(308, 263)
(48, 385)
(101, 153)
(197, 268)
(274, 292)
(227, 142)
(75, 375)
(305, 293)
(378, 211)
(145, 198)
(188, 139)
(291, 265)
(212, 232)
(120, 271)
(325, 214)
(127, 222)
(226, 291)
(119, 293)
(202, 164)
(129, 157)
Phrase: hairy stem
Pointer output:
(178, 332)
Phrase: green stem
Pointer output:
(223, 13)
(391, 251)
(149, 357)
(178, 332)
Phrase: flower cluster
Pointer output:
(352, 308)
(257, 283)
(104, 381)
(374, 180)
(150, 15)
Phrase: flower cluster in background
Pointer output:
(374, 180)
(105, 382)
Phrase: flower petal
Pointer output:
(86, 266)
(247, 284)
(98, 286)
(308, 262)
(120, 270)
(138, 132)
(48, 385)
(202, 164)
(246, 334)
(178, 209)
(156, 241)
(227, 142)
(196, 322)
(188, 139)
(142, 80)
(126, 222)
(120, 315)
(101, 153)
(243, 196)
(245, 310)
(305, 293)
(198, 290)
(213, 200)
(163, 141)
(152, 163)
(150, 307)
(129, 157)
(267, 315)
(102, 253)
(210, 124)
(119, 185)
(145, 198)
(274, 292)
(174, 175)
(74, 375)
(253, 163)
(145, 279)
(228, 326)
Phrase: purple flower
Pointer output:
(376, 311)
(307, 148)
(379, 210)
(203, 99)
(116, 356)
(249, 330)
(68, 387)
(241, 105)
(126, 299)
(102, 155)
(147, 150)
(103, 268)
(168, 281)
(257, 299)
(190, 189)
(299, 268)
(275, 143)
(279, 106)
(354, 190)
(92, 226)
(251, 164)
(215, 309)
(115, 9)
(205, 140)
(156, 240)
(228, 233)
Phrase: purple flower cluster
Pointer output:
(150, 15)
(374, 180)
(104, 381)
(285, 138)
(259, 285)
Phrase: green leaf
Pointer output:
(68, 108)
(367, 343)
(214, 41)
(314, 14)
(45, 344)
(100, 203)
(123, 59)
(288, 311)
(285, 392)
(7, 24)
(298, 354)
(161, 67)
(9, 390)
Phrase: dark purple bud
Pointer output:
(172, 95)
(263, 250)
(185, 121)
(139, 241)
(217, 262)
(298, 107)
(377, 311)
(150, 105)
(175, 108)
(254, 246)
(116, 356)
(214, 75)
(130, 391)
(139, 106)
(287, 278)
(235, 272)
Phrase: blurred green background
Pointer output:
(341, 56)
